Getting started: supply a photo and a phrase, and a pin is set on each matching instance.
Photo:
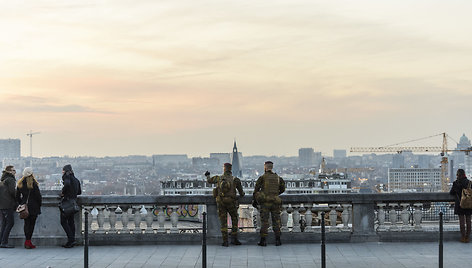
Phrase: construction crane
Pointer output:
(30, 134)
(399, 149)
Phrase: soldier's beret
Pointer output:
(268, 163)
(227, 165)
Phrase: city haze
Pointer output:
(118, 78)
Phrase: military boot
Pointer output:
(234, 240)
(225, 239)
(277, 241)
(263, 242)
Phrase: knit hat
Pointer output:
(28, 171)
(67, 168)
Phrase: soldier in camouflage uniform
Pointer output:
(227, 201)
(266, 193)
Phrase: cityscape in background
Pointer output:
(310, 172)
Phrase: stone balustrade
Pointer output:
(177, 219)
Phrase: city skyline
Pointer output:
(118, 78)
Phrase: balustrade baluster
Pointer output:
(284, 219)
(125, 220)
(296, 220)
(417, 216)
(100, 220)
(345, 217)
(112, 220)
(381, 217)
(308, 219)
(149, 220)
(174, 218)
(161, 219)
(393, 218)
(405, 216)
(137, 220)
(333, 216)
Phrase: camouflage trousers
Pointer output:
(223, 209)
(274, 210)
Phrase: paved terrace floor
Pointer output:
(345, 255)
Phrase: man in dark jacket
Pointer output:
(7, 204)
(70, 190)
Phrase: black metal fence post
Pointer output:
(323, 241)
(86, 240)
(441, 239)
(204, 242)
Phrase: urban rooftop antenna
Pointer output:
(30, 134)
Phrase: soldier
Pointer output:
(266, 193)
(227, 202)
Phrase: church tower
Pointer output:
(237, 172)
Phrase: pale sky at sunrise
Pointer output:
(152, 77)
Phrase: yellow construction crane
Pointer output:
(399, 149)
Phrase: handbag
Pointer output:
(69, 207)
(23, 208)
(466, 198)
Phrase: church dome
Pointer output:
(464, 141)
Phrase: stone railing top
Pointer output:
(288, 199)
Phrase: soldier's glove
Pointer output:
(242, 194)
(254, 203)
(207, 173)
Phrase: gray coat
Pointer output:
(7, 191)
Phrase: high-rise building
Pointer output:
(306, 157)
(237, 169)
(414, 179)
(10, 148)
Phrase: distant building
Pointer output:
(10, 148)
(169, 159)
(306, 157)
(339, 154)
(414, 179)
(222, 157)
(398, 161)
(205, 162)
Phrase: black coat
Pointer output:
(71, 188)
(35, 199)
(456, 191)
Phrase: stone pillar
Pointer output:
(296, 220)
(137, 220)
(125, 221)
(100, 220)
(333, 216)
(363, 218)
(213, 223)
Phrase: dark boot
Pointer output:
(263, 242)
(225, 243)
(225, 239)
(277, 241)
(234, 240)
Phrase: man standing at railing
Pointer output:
(268, 188)
(227, 202)
(70, 190)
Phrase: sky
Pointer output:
(108, 78)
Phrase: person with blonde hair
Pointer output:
(27, 192)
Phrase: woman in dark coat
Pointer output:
(464, 214)
(28, 192)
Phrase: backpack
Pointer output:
(226, 189)
(466, 198)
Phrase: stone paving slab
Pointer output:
(343, 255)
